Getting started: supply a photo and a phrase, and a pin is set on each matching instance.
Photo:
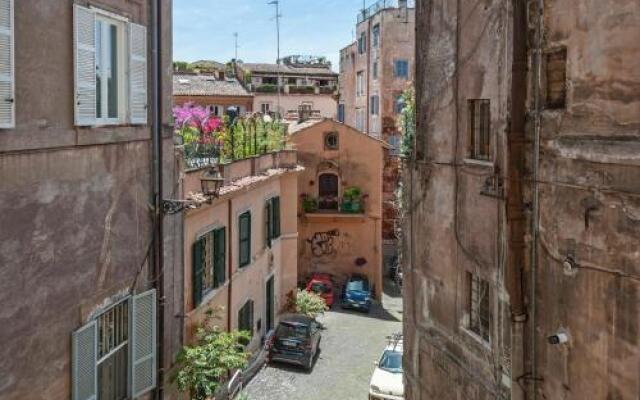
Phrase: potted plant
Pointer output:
(352, 200)
(309, 204)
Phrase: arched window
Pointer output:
(328, 191)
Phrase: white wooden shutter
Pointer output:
(143, 343)
(84, 47)
(7, 76)
(137, 74)
(84, 357)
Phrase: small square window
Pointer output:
(331, 141)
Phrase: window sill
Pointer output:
(476, 338)
(334, 216)
(478, 163)
(207, 298)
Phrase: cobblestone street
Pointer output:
(350, 344)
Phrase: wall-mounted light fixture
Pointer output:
(211, 181)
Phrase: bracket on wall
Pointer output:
(493, 187)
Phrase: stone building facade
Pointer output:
(522, 275)
(84, 250)
(374, 71)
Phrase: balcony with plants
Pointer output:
(208, 140)
(352, 203)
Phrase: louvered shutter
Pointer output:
(268, 228)
(276, 217)
(84, 357)
(198, 268)
(137, 74)
(219, 254)
(7, 70)
(143, 343)
(84, 45)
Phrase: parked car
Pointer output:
(356, 293)
(322, 285)
(386, 381)
(296, 340)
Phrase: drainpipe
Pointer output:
(535, 223)
(367, 100)
(156, 135)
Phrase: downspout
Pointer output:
(230, 249)
(367, 100)
(156, 136)
(535, 223)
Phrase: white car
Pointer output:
(386, 382)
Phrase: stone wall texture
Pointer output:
(550, 221)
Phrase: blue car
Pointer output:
(356, 293)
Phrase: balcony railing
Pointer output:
(292, 89)
(328, 205)
(381, 5)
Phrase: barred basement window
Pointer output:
(479, 129)
(556, 71)
(479, 306)
(245, 317)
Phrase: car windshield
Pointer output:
(360, 285)
(391, 361)
(287, 330)
(319, 287)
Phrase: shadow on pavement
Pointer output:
(391, 289)
(377, 312)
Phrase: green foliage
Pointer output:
(352, 193)
(181, 66)
(407, 122)
(251, 136)
(307, 303)
(309, 204)
(203, 367)
(267, 88)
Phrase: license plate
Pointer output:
(289, 343)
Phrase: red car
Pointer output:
(322, 285)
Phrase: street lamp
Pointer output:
(211, 181)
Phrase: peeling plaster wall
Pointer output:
(76, 220)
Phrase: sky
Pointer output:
(203, 29)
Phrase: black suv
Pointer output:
(296, 340)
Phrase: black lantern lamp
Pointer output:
(211, 181)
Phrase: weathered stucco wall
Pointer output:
(76, 220)
(332, 242)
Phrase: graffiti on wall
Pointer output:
(324, 243)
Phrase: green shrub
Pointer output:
(307, 303)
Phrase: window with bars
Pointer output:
(479, 306)
(328, 190)
(272, 220)
(479, 129)
(244, 239)
(209, 266)
(113, 352)
(245, 317)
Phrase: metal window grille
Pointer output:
(480, 129)
(113, 352)
(480, 309)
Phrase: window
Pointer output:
(110, 69)
(394, 142)
(375, 41)
(328, 191)
(479, 306)
(360, 83)
(341, 112)
(479, 130)
(113, 355)
(362, 43)
(7, 67)
(272, 218)
(245, 317)
(331, 141)
(292, 81)
(265, 108)
(401, 69)
(375, 105)
(209, 263)
(375, 70)
(556, 71)
(244, 236)
(360, 119)
(398, 104)
(215, 110)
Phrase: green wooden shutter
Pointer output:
(268, 224)
(198, 268)
(219, 256)
(143, 343)
(244, 232)
(276, 217)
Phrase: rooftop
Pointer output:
(206, 85)
(288, 69)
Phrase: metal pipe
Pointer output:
(156, 135)
(230, 257)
